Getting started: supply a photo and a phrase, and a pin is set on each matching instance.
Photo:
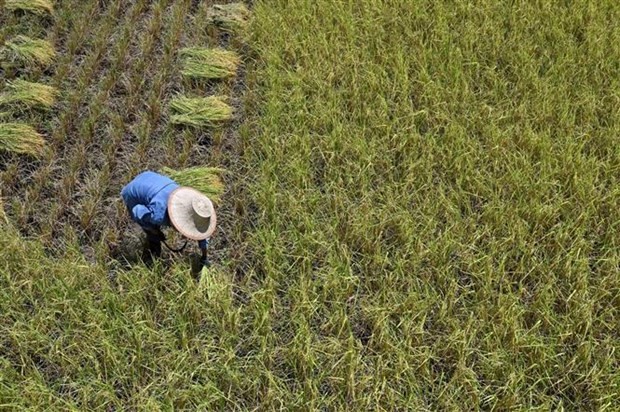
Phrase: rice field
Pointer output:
(418, 205)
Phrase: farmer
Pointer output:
(154, 200)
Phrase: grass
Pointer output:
(200, 111)
(27, 51)
(232, 17)
(23, 93)
(202, 178)
(20, 138)
(203, 63)
(38, 7)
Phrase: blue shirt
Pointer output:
(146, 198)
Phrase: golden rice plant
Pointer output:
(229, 17)
(202, 178)
(200, 111)
(20, 138)
(28, 94)
(38, 7)
(25, 50)
(204, 63)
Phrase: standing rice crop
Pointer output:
(38, 7)
(200, 111)
(28, 94)
(204, 63)
(204, 179)
(20, 138)
(25, 50)
(229, 17)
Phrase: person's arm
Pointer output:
(146, 217)
(142, 215)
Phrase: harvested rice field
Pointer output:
(418, 205)
(108, 71)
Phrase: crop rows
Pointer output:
(117, 64)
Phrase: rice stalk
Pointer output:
(38, 7)
(3, 217)
(24, 93)
(229, 17)
(25, 50)
(203, 63)
(202, 178)
(20, 138)
(200, 111)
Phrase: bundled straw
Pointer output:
(205, 63)
(200, 111)
(39, 7)
(25, 50)
(229, 17)
(21, 92)
(20, 138)
(204, 179)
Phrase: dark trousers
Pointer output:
(153, 242)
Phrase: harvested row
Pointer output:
(118, 64)
(210, 80)
(20, 55)
(200, 64)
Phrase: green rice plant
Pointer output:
(24, 93)
(229, 17)
(204, 63)
(200, 111)
(38, 7)
(202, 178)
(20, 138)
(25, 50)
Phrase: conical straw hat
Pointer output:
(191, 213)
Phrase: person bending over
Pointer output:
(155, 201)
